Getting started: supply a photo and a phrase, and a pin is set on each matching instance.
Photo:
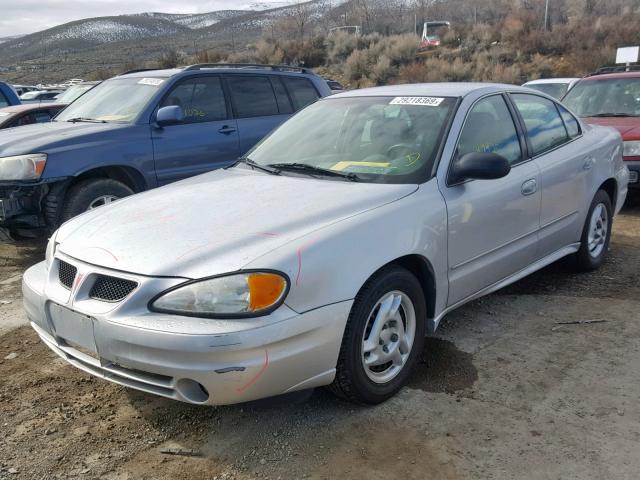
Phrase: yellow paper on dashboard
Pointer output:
(348, 163)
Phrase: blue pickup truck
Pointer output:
(7, 96)
(141, 130)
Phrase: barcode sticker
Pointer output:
(425, 101)
(154, 82)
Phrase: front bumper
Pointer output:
(199, 361)
(20, 204)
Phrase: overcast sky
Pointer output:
(27, 16)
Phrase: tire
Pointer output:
(372, 385)
(86, 195)
(596, 234)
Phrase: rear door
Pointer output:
(555, 143)
(206, 140)
(259, 106)
(492, 224)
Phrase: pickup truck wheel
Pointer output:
(596, 233)
(92, 193)
(383, 338)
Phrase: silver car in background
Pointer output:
(327, 254)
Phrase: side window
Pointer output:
(284, 104)
(489, 128)
(3, 100)
(201, 99)
(41, 117)
(301, 90)
(542, 120)
(573, 127)
(26, 119)
(252, 96)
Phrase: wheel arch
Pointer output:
(611, 187)
(52, 204)
(422, 269)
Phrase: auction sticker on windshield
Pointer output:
(154, 82)
(426, 101)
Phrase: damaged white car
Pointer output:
(327, 254)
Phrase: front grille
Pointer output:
(111, 289)
(66, 274)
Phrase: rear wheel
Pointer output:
(596, 233)
(383, 337)
(92, 193)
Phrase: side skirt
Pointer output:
(543, 262)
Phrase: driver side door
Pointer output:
(492, 224)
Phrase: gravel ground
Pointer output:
(502, 392)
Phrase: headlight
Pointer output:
(246, 294)
(22, 167)
(631, 149)
(51, 250)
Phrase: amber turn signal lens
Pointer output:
(265, 289)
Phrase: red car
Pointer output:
(19, 115)
(612, 99)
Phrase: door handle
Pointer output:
(227, 129)
(529, 187)
(588, 163)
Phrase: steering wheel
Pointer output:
(400, 146)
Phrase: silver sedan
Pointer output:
(327, 254)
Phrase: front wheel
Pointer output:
(383, 338)
(92, 193)
(596, 233)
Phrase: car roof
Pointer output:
(609, 76)
(439, 89)
(222, 68)
(553, 80)
(31, 106)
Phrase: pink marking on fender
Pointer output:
(257, 375)
(105, 250)
(301, 249)
(191, 250)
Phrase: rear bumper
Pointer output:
(634, 173)
(227, 363)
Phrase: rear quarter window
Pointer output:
(3, 100)
(301, 90)
(573, 127)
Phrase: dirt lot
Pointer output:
(503, 392)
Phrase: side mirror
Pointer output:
(479, 166)
(170, 115)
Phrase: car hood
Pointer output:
(47, 137)
(629, 127)
(215, 223)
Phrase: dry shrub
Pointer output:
(356, 67)
(382, 71)
(340, 45)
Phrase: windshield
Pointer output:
(73, 92)
(116, 100)
(376, 139)
(610, 97)
(555, 90)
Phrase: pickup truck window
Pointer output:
(201, 99)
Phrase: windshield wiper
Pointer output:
(255, 165)
(611, 115)
(85, 119)
(311, 169)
